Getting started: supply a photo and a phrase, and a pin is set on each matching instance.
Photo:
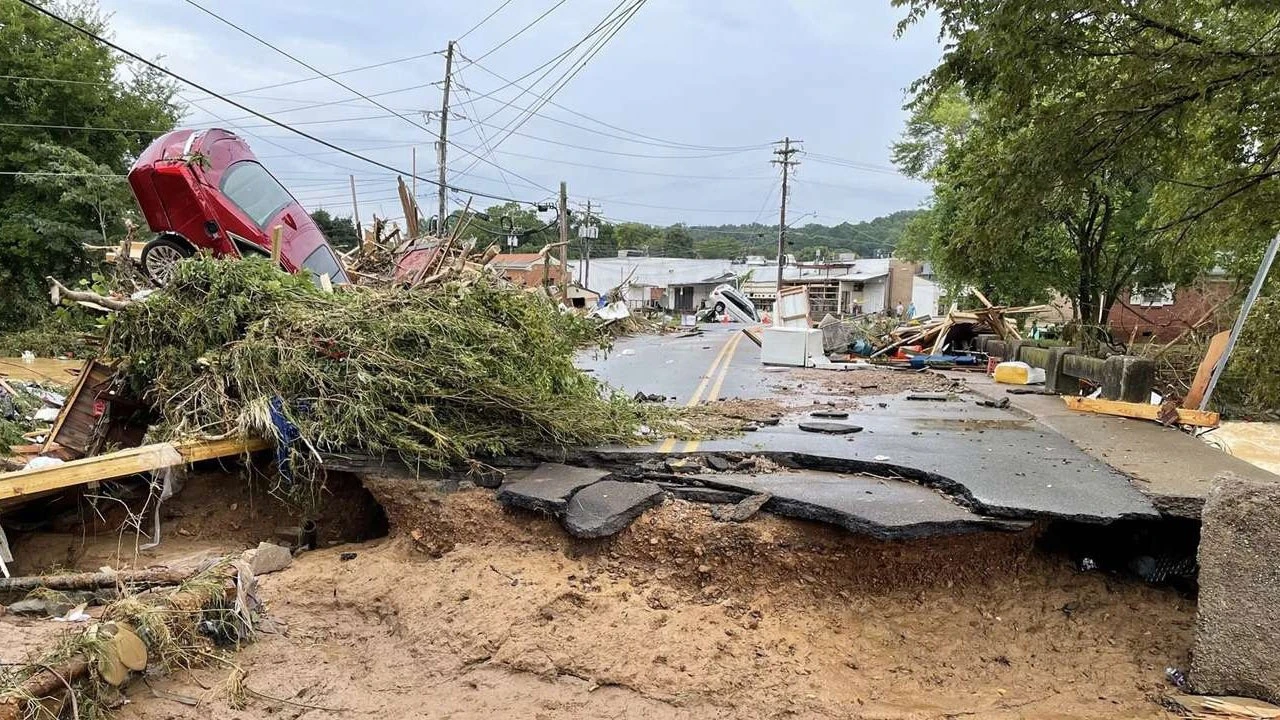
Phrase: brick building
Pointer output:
(530, 269)
(1162, 314)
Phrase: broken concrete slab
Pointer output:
(830, 428)
(711, 496)
(719, 464)
(549, 487)
(829, 414)
(607, 507)
(1238, 618)
(886, 509)
(742, 511)
(269, 558)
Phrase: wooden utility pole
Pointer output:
(443, 145)
(586, 251)
(564, 240)
(413, 170)
(355, 207)
(784, 159)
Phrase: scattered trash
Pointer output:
(881, 458)
(75, 614)
(650, 397)
(1001, 403)
(1018, 373)
(930, 396)
(344, 557)
(1176, 677)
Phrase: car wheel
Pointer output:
(160, 258)
(719, 308)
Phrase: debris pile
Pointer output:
(439, 374)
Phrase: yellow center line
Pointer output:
(670, 443)
(732, 345)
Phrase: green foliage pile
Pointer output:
(439, 376)
(1250, 385)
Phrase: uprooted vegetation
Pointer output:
(439, 375)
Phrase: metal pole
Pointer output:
(1249, 300)
(355, 209)
(564, 240)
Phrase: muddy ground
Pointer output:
(467, 610)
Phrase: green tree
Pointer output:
(341, 231)
(56, 76)
(677, 242)
(637, 236)
(718, 247)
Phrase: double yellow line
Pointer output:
(721, 362)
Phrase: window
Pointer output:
(321, 261)
(1158, 296)
(252, 189)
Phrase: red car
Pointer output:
(205, 190)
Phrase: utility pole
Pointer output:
(784, 159)
(589, 234)
(413, 171)
(355, 209)
(564, 240)
(443, 145)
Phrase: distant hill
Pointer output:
(872, 238)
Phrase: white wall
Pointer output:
(924, 295)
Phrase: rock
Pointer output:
(830, 428)
(717, 463)
(829, 414)
(683, 465)
(344, 557)
(269, 558)
(1238, 619)
(607, 507)
(548, 488)
(742, 511)
(1001, 403)
(30, 606)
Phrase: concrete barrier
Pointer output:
(1122, 377)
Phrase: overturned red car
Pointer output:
(205, 190)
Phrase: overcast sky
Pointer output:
(709, 82)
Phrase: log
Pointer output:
(58, 292)
(94, 580)
(48, 683)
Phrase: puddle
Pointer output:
(970, 424)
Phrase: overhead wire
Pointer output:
(343, 85)
(564, 80)
(483, 21)
(522, 30)
(302, 133)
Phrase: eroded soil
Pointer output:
(467, 610)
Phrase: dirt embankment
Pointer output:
(470, 611)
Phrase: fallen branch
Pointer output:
(58, 292)
(94, 581)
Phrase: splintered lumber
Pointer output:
(76, 426)
(121, 464)
(1212, 356)
(753, 334)
(1140, 411)
(94, 580)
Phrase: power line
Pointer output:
(317, 77)
(573, 72)
(522, 30)
(483, 21)
(339, 83)
(98, 38)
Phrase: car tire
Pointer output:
(719, 308)
(161, 256)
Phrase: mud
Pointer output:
(468, 610)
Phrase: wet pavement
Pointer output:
(996, 461)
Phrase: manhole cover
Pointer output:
(831, 428)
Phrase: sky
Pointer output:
(670, 120)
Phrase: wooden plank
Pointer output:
(78, 410)
(1217, 346)
(1140, 411)
(277, 236)
(981, 298)
(753, 334)
(121, 464)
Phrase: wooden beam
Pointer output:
(1140, 411)
(1212, 356)
(277, 235)
(121, 464)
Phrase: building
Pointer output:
(530, 269)
(1162, 314)
(672, 284)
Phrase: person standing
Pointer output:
(898, 310)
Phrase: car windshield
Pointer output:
(253, 190)
(321, 261)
